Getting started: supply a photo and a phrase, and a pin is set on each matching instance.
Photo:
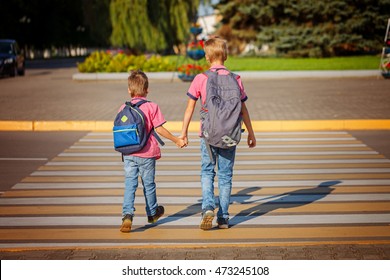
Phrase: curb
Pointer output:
(247, 74)
(175, 126)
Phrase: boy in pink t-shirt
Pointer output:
(216, 55)
(143, 163)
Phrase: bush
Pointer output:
(101, 61)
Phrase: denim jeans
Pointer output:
(224, 159)
(146, 169)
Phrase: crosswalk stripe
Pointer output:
(164, 234)
(194, 200)
(111, 154)
(185, 210)
(194, 178)
(237, 172)
(69, 192)
(236, 184)
(108, 147)
(194, 221)
(327, 184)
(238, 162)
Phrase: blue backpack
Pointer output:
(129, 131)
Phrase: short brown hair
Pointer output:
(216, 49)
(138, 83)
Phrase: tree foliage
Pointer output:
(151, 25)
(55, 23)
(306, 28)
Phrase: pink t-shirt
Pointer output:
(198, 86)
(154, 118)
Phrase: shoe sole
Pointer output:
(223, 226)
(207, 221)
(126, 226)
(152, 221)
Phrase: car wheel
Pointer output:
(21, 71)
(14, 71)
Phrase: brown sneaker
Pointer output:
(207, 220)
(127, 221)
(159, 213)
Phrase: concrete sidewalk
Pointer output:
(61, 99)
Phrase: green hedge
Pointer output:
(101, 61)
(106, 62)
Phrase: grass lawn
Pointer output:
(279, 64)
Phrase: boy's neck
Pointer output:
(216, 63)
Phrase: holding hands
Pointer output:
(181, 142)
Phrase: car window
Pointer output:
(5, 48)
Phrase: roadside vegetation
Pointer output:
(106, 62)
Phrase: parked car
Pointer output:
(11, 59)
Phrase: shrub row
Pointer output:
(101, 61)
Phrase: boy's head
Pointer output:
(215, 49)
(138, 84)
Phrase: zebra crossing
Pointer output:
(294, 188)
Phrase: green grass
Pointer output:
(286, 64)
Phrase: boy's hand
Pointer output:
(251, 141)
(180, 143)
(185, 138)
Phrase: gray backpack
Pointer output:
(221, 114)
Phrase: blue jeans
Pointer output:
(146, 169)
(224, 158)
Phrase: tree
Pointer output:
(151, 25)
(97, 22)
(307, 28)
(39, 24)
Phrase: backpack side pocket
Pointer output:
(126, 135)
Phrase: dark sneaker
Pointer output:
(223, 222)
(127, 221)
(207, 220)
(159, 213)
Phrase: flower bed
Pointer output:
(101, 61)
(187, 72)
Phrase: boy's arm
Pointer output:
(187, 118)
(248, 125)
(165, 133)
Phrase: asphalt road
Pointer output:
(47, 90)
(23, 152)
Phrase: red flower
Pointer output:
(191, 69)
(196, 45)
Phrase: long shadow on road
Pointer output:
(285, 200)
(281, 201)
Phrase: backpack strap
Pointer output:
(158, 138)
(138, 104)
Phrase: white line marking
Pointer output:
(236, 172)
(172, 200)
(237, 162)
(113, 154)
(189, 185)
(24, 159)
(192, 221)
